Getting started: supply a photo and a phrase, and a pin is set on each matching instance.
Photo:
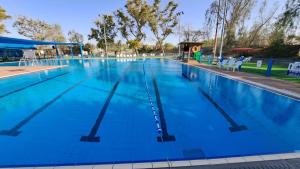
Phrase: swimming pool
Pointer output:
(109, 111)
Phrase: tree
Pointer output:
(3, 16)
(38, 30)
(104, 22)
(131, 23)
(55, 33)
(289, 20)
(192, 35)
(89, 48)
(75, 37)
(163, 21)
(237, 11)
(169, 47)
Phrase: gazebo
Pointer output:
(188, 48)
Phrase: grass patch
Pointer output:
(278, 71)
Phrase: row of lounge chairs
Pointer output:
(230, 64)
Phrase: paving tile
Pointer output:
(83, 167)
(271, 157)
(122, 166)
(180, 163)
(297, 155)
(236, 160)
(287, 155)
(217, 161)
(64, 167)
(160, 164)
(253, 158)
(106, 166)
(142, 165)
(199, 162)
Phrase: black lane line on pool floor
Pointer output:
(15, 130)
(234, 125)
(165, 135)
(31, 85)
(91, 137)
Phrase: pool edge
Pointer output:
(240, 161)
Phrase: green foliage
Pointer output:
(278, 48)
(163, 21)
(3, 16)
(134, 44)
(236, 14)
(289, 20)
(75, 37)
(105, 22)
(38, 30)
(132, 22)
(169, 47)
(89, 48)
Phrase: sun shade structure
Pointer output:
(15, 43)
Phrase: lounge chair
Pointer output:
(247, 59)
(237, 65)
(222, 63)
(230, 63)
(29, 58)
(294, 69)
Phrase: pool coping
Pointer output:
(31, 71)
(241, 161)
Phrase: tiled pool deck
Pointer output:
(8, 71)
(274, 161)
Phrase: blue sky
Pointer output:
(80, 14)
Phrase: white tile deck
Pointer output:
(199, 162)
(180, 163)
(122, 166)
(160, 164)
(142, 165)
(107, 166)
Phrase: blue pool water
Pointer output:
(99, 111)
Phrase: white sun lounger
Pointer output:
(294, 69)
(223, 63)
(237, 65)
(230, 63)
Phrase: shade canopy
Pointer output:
(14, 43)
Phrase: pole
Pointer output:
(71, 50)
(81, 53)
(104, 27)
(216, 33)
(179, 32)
(57, 53)
(223, 28)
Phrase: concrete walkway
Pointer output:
(279, 86)
(8, 71)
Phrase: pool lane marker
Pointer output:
(235, 127)
(31, 85)
(160, 122)
(91, 137)
(15, 131)
(165, 135)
